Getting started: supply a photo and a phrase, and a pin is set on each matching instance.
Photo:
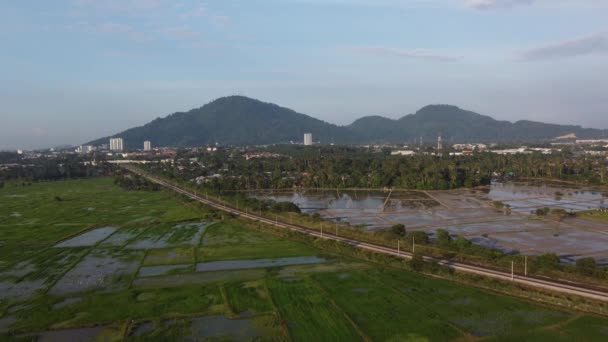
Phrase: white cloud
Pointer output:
(587, 45)
(421, 54)
(179, 32)
(496, 4)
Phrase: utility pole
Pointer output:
(276, 220)
(526, 265)
(398, 249)
(512, 270)
(413, 245)
(321, 229)
(336, 229)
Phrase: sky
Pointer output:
(75, 70)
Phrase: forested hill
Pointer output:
(238, 120)
(458, 125)
(233, 120)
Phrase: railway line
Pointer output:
(527, 281)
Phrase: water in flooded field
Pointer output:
(469, 212)
(255, 263)
(89, 238)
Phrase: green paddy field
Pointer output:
(85, 260)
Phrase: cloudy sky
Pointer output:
(74, 70)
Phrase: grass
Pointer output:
(477, 312)
(251, 296)
(309, 313)
(229, 241)
(169, 256)
(356, 296)
(31, 219)
(594, 215)
(388, 314)
(132, 304)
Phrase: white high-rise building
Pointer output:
(116, 144)
(307, 139)
(147, 145)
(84, 149)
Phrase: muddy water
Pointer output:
(221, 327)
(257, 263)
(99, 269)
(165, 239)
(89, 238)
(141, 329)
(469, 212)
(72, 335)
(152, 271)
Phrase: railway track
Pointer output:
(527, 281)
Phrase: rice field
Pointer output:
(108, 264)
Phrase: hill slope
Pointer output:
(233, 120)
(458, 125)
(238, 120)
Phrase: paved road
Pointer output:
(528, 281)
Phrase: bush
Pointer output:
(443, 237)
(417, 262)
(559, 213)
(542, 211)
(58, 199)
(586, 266)
(419, 237)
(285, 207)
(462, 243)
(398, 229)
(498, 205)
(547, 261)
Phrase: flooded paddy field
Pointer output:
(162, 236)
(178, 275)
(105, 269)
(470, 213)
(255, 263)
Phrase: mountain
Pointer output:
(233, 120)
(458, 125)
(239, 120)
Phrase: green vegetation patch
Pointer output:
(35, 217)
(383, 313)
(249, 297)
(199, 278)
(132, 304)
(309, 313)
(170, 256)
(169, 235)
(211, 328)
(233, 241)
(476, 312)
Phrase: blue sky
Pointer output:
(74, 70)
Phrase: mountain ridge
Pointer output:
(239, 120)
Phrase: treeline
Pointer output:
(132, 182)
(346, 167)
(47, 168)
(544, 264)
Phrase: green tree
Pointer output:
(586, 266)
(417, 262)
(559, 213)
(418, 237)
(443, 237)
(547, 261)
(542, 211)
(398, 229)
